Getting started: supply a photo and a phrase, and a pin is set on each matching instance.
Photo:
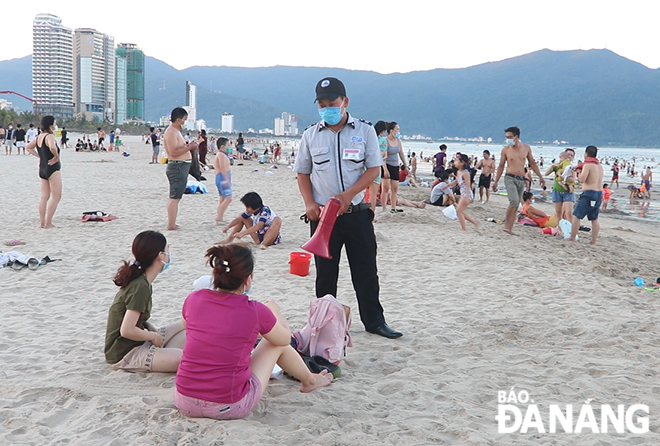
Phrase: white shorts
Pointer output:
(20, 143)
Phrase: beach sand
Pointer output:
(481, 312)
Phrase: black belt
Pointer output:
(517, 177)
(357, 208)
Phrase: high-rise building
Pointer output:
(287, 125)
(191, 94)
(227, 123)
(278, 128)
(52, 66)
(290, 124)
(130, 83)
(94, 75)
(191, 105)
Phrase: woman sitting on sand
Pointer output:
(131, 342)
(218, 377)
(539, 217)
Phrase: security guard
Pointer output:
(339, 157)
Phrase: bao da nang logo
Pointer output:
(517, 412)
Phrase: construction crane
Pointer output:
(34, 103)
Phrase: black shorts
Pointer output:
(394, 172)
(484, 181)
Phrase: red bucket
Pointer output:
(299, 263)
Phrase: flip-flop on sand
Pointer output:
(14, 242)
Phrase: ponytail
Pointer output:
(232, 264)
(146, 247)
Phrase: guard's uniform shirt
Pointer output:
(337, 160)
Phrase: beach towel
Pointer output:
(192, 187)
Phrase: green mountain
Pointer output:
(585, 97)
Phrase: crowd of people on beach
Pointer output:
(226, 346)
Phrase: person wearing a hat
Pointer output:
(339, 157)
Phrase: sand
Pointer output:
(480, 312)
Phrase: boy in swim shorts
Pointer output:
(222, 168)
(259, 221)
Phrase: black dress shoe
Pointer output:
(385, 331)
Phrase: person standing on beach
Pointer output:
(439, 160)
(222, 168)
(339, 158)
(63, 139)
(615, 174)
(562, 197)
(9, 139)
(49, 170)
(179, 160)
(101, 136)
(513, 156)
(31, 133)
(19, 139)
(155, 145)
(590, 175)
(394, 154)
(487, 166)
(647, 179)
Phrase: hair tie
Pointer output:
(136, 263)
(226, 264)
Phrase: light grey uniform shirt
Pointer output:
(337, 160)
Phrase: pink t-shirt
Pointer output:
(221, 330)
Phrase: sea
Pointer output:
(644, 210)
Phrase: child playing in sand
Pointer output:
(218, 377)
(259, 221)
(463, 180)
(132, 343)
(222, 168)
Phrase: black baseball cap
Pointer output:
(329, 88)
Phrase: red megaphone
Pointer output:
(319, 244)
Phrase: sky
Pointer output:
(383, 36)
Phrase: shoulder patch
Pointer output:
(365, 121)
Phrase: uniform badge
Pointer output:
(325, 83)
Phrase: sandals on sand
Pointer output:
(14, 242)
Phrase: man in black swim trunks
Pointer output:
(487, 166)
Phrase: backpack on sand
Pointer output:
(326, 333)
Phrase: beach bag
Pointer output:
(327, 331)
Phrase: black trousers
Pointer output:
(355, 232)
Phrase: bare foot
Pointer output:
(570, 239)
(262, 246)
(173, 228)
(317, 380)
(510, 232)
(49, 226)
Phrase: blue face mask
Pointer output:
(331, 115)
(398, 135)
(169, 262)
(247, 292)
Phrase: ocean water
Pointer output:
(638, 209)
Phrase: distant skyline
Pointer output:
(382, 36)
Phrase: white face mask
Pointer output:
(510, 142)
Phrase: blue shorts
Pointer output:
(223, 190)
(588, 205)
(563, 197)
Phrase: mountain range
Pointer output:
(584, 97)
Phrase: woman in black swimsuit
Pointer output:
(49, 170)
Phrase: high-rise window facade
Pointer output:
(52, 66)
